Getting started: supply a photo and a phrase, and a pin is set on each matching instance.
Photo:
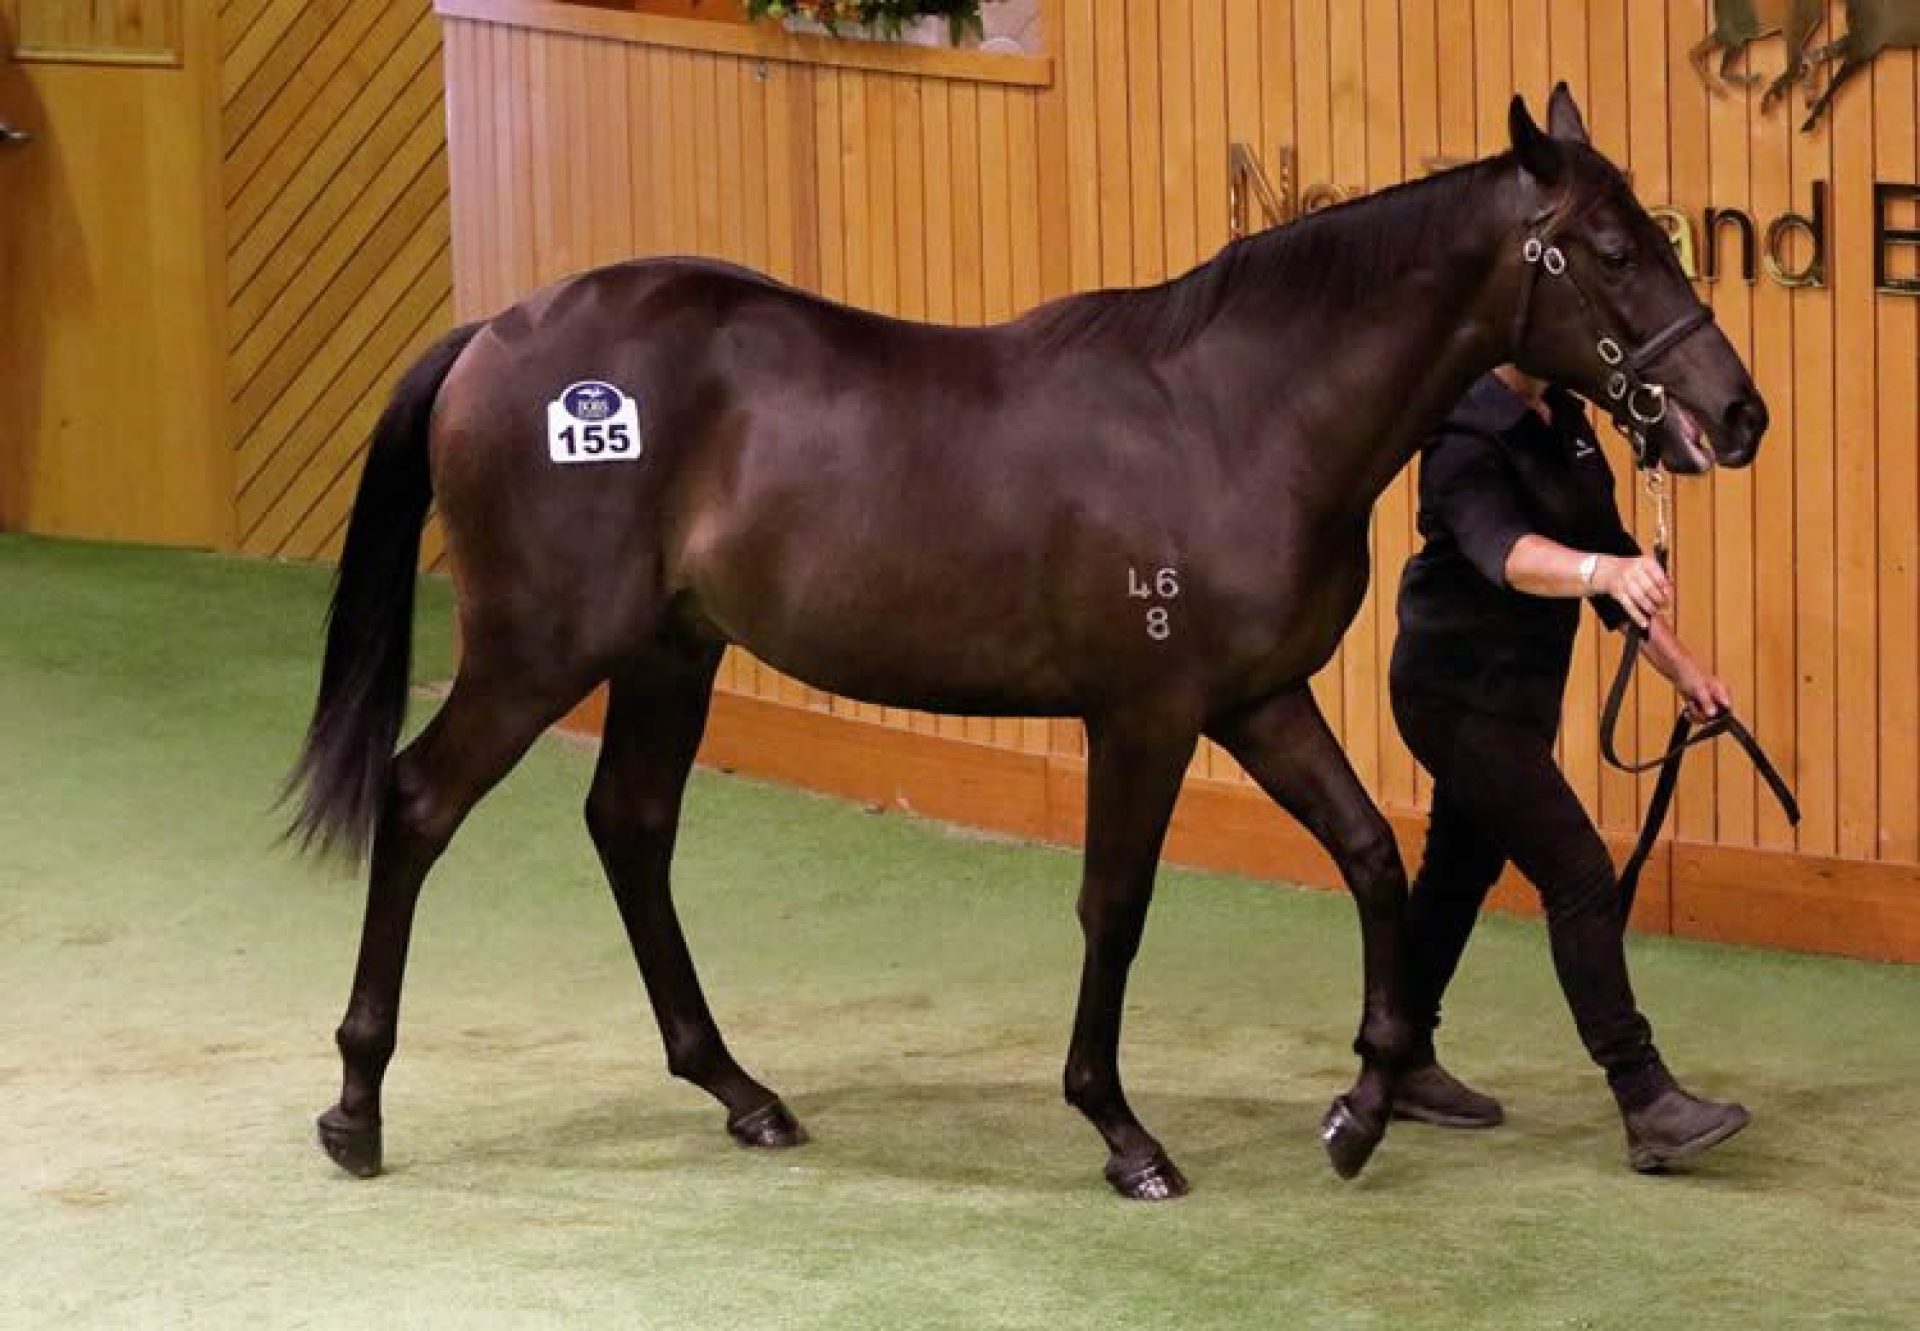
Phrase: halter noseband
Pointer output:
(1635, 403)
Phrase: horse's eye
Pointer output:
(1615, 258)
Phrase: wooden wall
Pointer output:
(970, 190)
(109, 275)
(335, 190)
(124, 31)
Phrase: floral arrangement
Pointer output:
(885, 17)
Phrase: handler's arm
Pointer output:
(1706, 693)
(1473, 498)
(1540, 566)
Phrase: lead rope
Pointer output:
(1684, 735)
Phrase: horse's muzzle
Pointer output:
(1744, 425)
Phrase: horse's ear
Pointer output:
(1564, 121)
(1540, 157)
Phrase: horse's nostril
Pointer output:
(1747, 421)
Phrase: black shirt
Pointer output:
(1493, 472)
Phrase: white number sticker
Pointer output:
(593, 421)
(1164, 585)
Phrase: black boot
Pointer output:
(1676, 1127)
(1430, 1094)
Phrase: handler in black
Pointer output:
(1517, 508)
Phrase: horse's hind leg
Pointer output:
(1702, 53)
(1285, 745)
(1744, 79)
(1133, 779)
(478, 736)
(1852, 65)
(655, 716)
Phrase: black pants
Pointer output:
(1498, 796)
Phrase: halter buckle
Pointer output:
(1611, 353)
(1617, 385)
(1657, 394)
(1533, 249)
(1553, 261)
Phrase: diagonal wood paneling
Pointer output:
(337, 220)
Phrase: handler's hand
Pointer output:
(1639, 585)
(1707, 695)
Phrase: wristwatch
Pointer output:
(1588, 567)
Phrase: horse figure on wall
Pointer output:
(1147, 509)
(1737, 24)
(1873, 26)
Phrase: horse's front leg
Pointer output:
(1133, 778)
(1285, 745)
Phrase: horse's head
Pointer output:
(1605, 309)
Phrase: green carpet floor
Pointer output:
(169, 981)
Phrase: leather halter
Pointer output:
(1635, 402)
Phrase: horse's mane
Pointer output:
(1323, 261)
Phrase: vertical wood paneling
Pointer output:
(1147, 205)
(936, 147)
(1734, 787)
(1180, 204)
(1812, 618)
(1085, 175)
(1051, 184)
(962, 201)
(1693, 810)
(1856, 446)
(1775, 362)
(1115, 175)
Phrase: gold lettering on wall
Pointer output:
(1248, 187)
(1813, 272)
(1282, 200)
(1794, 250)
(1679, 229)
(1892, 243)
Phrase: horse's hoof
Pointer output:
(768, 1128)
(1155, 1179)
(354, 1146)
(1349, 1138)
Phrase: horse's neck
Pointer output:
(1426, 374)
(1361, 386)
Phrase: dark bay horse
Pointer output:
(1146, 509)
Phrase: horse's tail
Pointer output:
(341, 776)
